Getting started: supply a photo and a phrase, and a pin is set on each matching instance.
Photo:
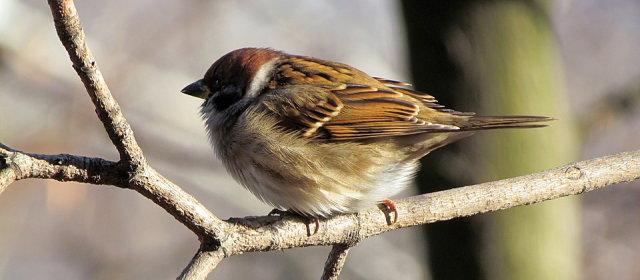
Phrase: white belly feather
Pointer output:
(318, 179)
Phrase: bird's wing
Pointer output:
(333, 101)
(337, 102)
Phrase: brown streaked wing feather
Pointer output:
(327, 100)
(426, 99)
(349, 114)
(305, 70)
(361, 107)
(390, 82)
(303, 109)
(381, 112)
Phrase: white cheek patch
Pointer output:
(260, 79)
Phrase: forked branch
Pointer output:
(139, 176)
(69, 28)
(335, 261)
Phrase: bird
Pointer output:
(320, 138)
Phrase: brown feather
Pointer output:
(495, 122)
(392, 82)
(336, 102)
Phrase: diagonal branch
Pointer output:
(250, 234)
(67, 22)
(205, 261)
(16, 165)
(140, 176)
(335, 261)
(266, 233)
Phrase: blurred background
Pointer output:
(577, 61)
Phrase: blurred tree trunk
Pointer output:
(516, 69)
(453, 246)
(501, 55)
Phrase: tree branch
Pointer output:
(268, 233)
(62, 167)
(335, 261)
(7, 175)
(140, 177)
(67, 22)
(205, 261)
(97, 171)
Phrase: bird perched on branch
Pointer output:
(319, 138)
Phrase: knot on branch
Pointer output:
(573, 172)
(210, 244)
(8, 160)
(5, 161)
(88, 68)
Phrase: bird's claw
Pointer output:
(388, 206)
(307, 220)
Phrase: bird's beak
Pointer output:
(198, 89)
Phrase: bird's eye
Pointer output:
(214, 85)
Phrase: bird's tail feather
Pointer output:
(496, 122)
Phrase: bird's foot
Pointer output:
(306, 219)
(278, 212)
(388, 206)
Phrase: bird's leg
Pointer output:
(306, 219)
(390, 207)
(277, 212)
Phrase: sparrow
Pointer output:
(320, 138)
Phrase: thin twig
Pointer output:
(68, 26)
(335, 261)
(139, 176)
(63, 167)
(205, 261)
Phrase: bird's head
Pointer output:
(242, 73)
